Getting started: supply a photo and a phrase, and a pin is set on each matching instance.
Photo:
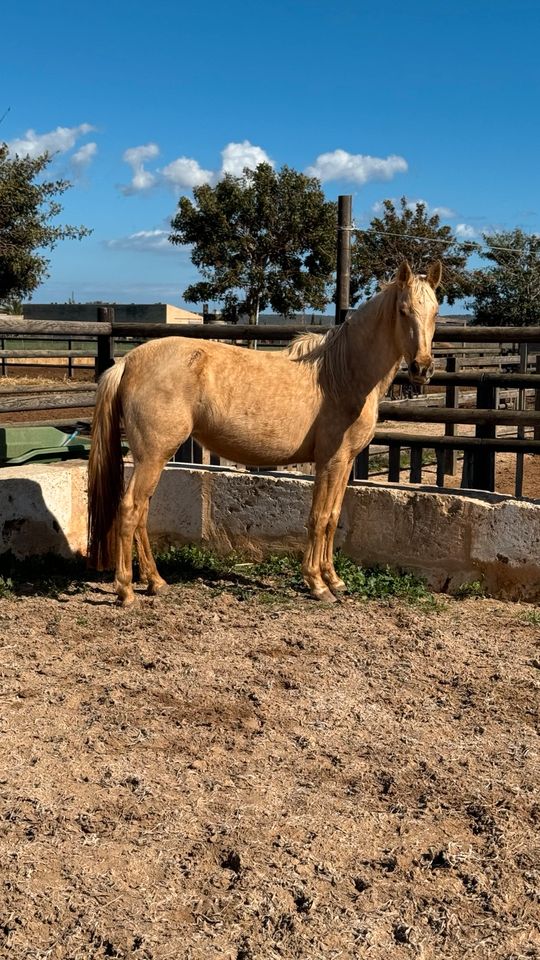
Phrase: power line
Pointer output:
(412, 236)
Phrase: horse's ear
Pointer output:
(404, 275)
(434, 274)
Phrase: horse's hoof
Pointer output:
(125, 602)
(337, 587)
(160, 587)
(323, 594)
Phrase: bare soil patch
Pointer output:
(210, 776)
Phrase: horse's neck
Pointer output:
(374, 352)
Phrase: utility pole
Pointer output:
(343, 262)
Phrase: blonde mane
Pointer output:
(328, 353)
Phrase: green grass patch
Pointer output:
(282, 576)
(532, 617)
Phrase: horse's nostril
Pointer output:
(415, 368)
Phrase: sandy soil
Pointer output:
(255, 777)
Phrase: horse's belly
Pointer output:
(257, 444)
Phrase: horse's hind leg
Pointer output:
(133, 509)
(147, 564)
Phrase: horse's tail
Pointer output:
(105, 471)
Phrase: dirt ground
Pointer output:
(209, 775)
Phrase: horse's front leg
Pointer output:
(328, 572)
(327, 481)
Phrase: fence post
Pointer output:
(483, 459)
(343, 262)
(394, 462)
(523, 364)
(360, 468)
(105, 342)
(416, 464)
(537, 399)
(452, 401)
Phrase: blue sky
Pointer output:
(436, 101)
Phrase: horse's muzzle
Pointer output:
(420, 372)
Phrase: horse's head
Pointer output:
(417, 306)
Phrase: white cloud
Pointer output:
(145, 241)
(235, 157)
(84, 155)
(61, 140)
(443, 212)
(357, 168)
(141, 179)
(465, 231)
(186, 173)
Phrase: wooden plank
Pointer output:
(527, 381)
(30, 391)
(61, 328)
(429, 442)
(38, 354)
(222, 331)
(59, 401)
(418, 413)
(475, 334)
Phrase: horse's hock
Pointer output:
(449, 538)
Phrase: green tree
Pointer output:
(508, 293)
(408, 232)
(266, 237)
(28, 205)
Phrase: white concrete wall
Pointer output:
(448, 539)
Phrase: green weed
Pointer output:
(475, 588)
(280, 576)
(382, 583)
(6, 588)
(532, 617)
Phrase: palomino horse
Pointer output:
(316, 402)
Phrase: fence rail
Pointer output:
(479, 452)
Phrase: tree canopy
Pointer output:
(28, 207)
(508, 292)
(408, 232)
(264, 238)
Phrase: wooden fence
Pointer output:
(456, 369)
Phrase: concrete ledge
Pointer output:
(448, 538)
